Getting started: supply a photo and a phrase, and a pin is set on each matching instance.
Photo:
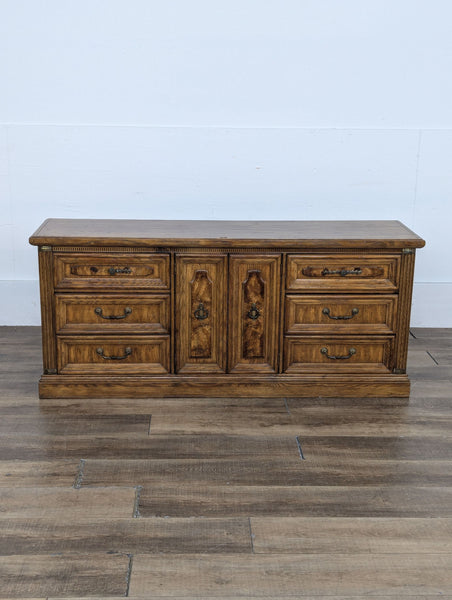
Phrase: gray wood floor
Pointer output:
(187, 498)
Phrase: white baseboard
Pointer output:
(19, 304)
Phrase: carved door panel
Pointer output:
(201, 311)
(254, 292)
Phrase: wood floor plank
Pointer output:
(123, 446)
(261, 597)
(126, 536)
(376, 448)
(313, 421)
(74, 425)
(216, 576)
(259, 470)
(48, 576)
(56, 502)
(265, 471)
(300, 535)
(22, 473)
(113, 406)
(316, 501)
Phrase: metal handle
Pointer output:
(326, 311)
(116, 270)
(254, 312)
(201, 313)
(127, 312)
(342, 272)
(100, 352)
(351, 352)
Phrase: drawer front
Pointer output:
(340, 314)
(128, 355)
(344, 273)
(346, 354)
(79, 313)
(112, 271)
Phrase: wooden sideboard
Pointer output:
(224, 308)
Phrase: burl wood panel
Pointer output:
(85, 313)
(201, 311)
(340, 314)
(128, 355)
(327, 354)
(343, 273)
(111, 271)
(253, 312)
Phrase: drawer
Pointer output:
(128, 355)
(340, 314)
(333, 354)
(343, 273)
(111, 271)
(82, 313)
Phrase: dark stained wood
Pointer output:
(201, 291)
(111, 271)
(253, 313)
(330, 353)
(49, 352)
(223, 310)
(346, 314)
(102, 354)
(80, 313)
(343, 273)
(309, 234)
(224, 386)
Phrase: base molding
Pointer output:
(225, 386)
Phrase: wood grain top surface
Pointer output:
(303, 234)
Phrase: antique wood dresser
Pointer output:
(225, 308)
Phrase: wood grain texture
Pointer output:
(124, 536)
(49, 352)
(300, 575)
(314, 501)
(76, 313)
(27, 473)
(309, 234)
(253, 336)
(94, 574)
(201, 343)
(300, 535)
(39, 502)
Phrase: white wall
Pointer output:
(245, 109)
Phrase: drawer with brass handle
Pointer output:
(346, 354)
(127, 355)
(343, 273)
(111, 271)
(340, 314)
(86, 313)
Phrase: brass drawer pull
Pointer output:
(127, 312)
(342, 272)
(326, 311)
(351, 352)
(254, 312)
(201, 313)
(116, 270)
(100, 352)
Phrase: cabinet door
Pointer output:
(254, 291)
(201, 309)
